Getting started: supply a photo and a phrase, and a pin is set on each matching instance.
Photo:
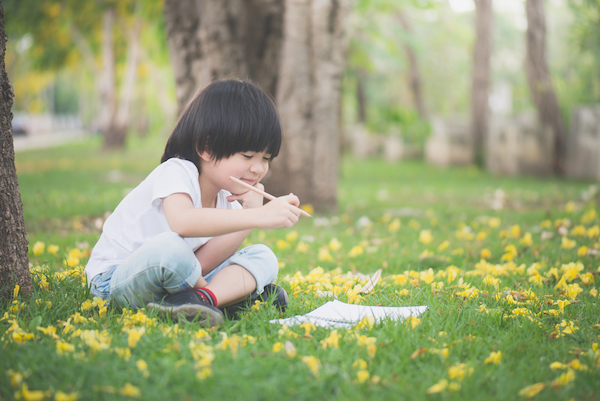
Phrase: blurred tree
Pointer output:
(295, 50)
(585, 38)
(14, 262)
(414, 73)
(540, 83)
(481, 77)
(68, 32)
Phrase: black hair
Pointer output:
(226, 117)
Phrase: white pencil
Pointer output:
(263, 193)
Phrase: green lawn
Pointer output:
(508, 268)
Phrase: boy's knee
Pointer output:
(269, 262)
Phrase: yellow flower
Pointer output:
(366, 322)
(278, 346)
(362, 376)
(307, 326)
(204, 373)
(532, 390)
(413, 321)
(360, 363)
(564, 379)
(49, 331)
(495, 358)
(129, 390)
(567, 243)
(425, 237)
(485, 254)
(16, 378)
(312, 363)
(324, 255)
(515, 231)
(438, 387)
(561, 304)
(63, 347)
(579, 231)
(332, 340)
(582, 251)
(27, 395)
(334, 245)
(308, 208)
(546, 224)
(494, 222)
(302, 247)
(281, 244)
(60, 396)
(481, 235)
(459, 371)
(355, 251)
(394, 225)
(291, 236)
(16, 290)
(53, 249)
(134, 335)
(38, 248)
(526, 240)
(570, 207)
(443, 246)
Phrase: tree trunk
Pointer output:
(113, 136)
(211, 39)
(361, 96)
(480, 85)
(414, 76)
(294, 49)
(123, 114)
(308, 97)
(540, 84)
(14, 262)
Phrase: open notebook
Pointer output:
(336, 314)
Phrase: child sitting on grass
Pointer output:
(172, 243)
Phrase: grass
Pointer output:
(522, 322)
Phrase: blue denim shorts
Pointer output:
(166, 264)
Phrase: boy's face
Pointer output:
(250, 167)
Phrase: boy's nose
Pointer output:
(256, 167)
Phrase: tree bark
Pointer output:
(295, 50)
(414, 76)
(540, 83)
(14, 262)
(308, 97)
(210, 39)
(481, 77)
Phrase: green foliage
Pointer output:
(425, 227)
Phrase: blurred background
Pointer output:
(510, 85)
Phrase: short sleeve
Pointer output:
(174, 178)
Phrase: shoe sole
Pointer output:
(204, 315)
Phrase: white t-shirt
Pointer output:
(140, 216)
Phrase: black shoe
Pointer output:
(188, 306)
(273, 293)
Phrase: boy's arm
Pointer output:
(188, 221)
(215, 251)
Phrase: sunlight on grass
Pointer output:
(512, 296)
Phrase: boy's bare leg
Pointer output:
(230, 285)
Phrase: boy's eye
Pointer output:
(247, 156)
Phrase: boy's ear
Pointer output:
(205, 155)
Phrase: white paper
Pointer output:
(337, 314)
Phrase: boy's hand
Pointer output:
(248, 199)
(280, 212)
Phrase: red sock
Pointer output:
(208, 295)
